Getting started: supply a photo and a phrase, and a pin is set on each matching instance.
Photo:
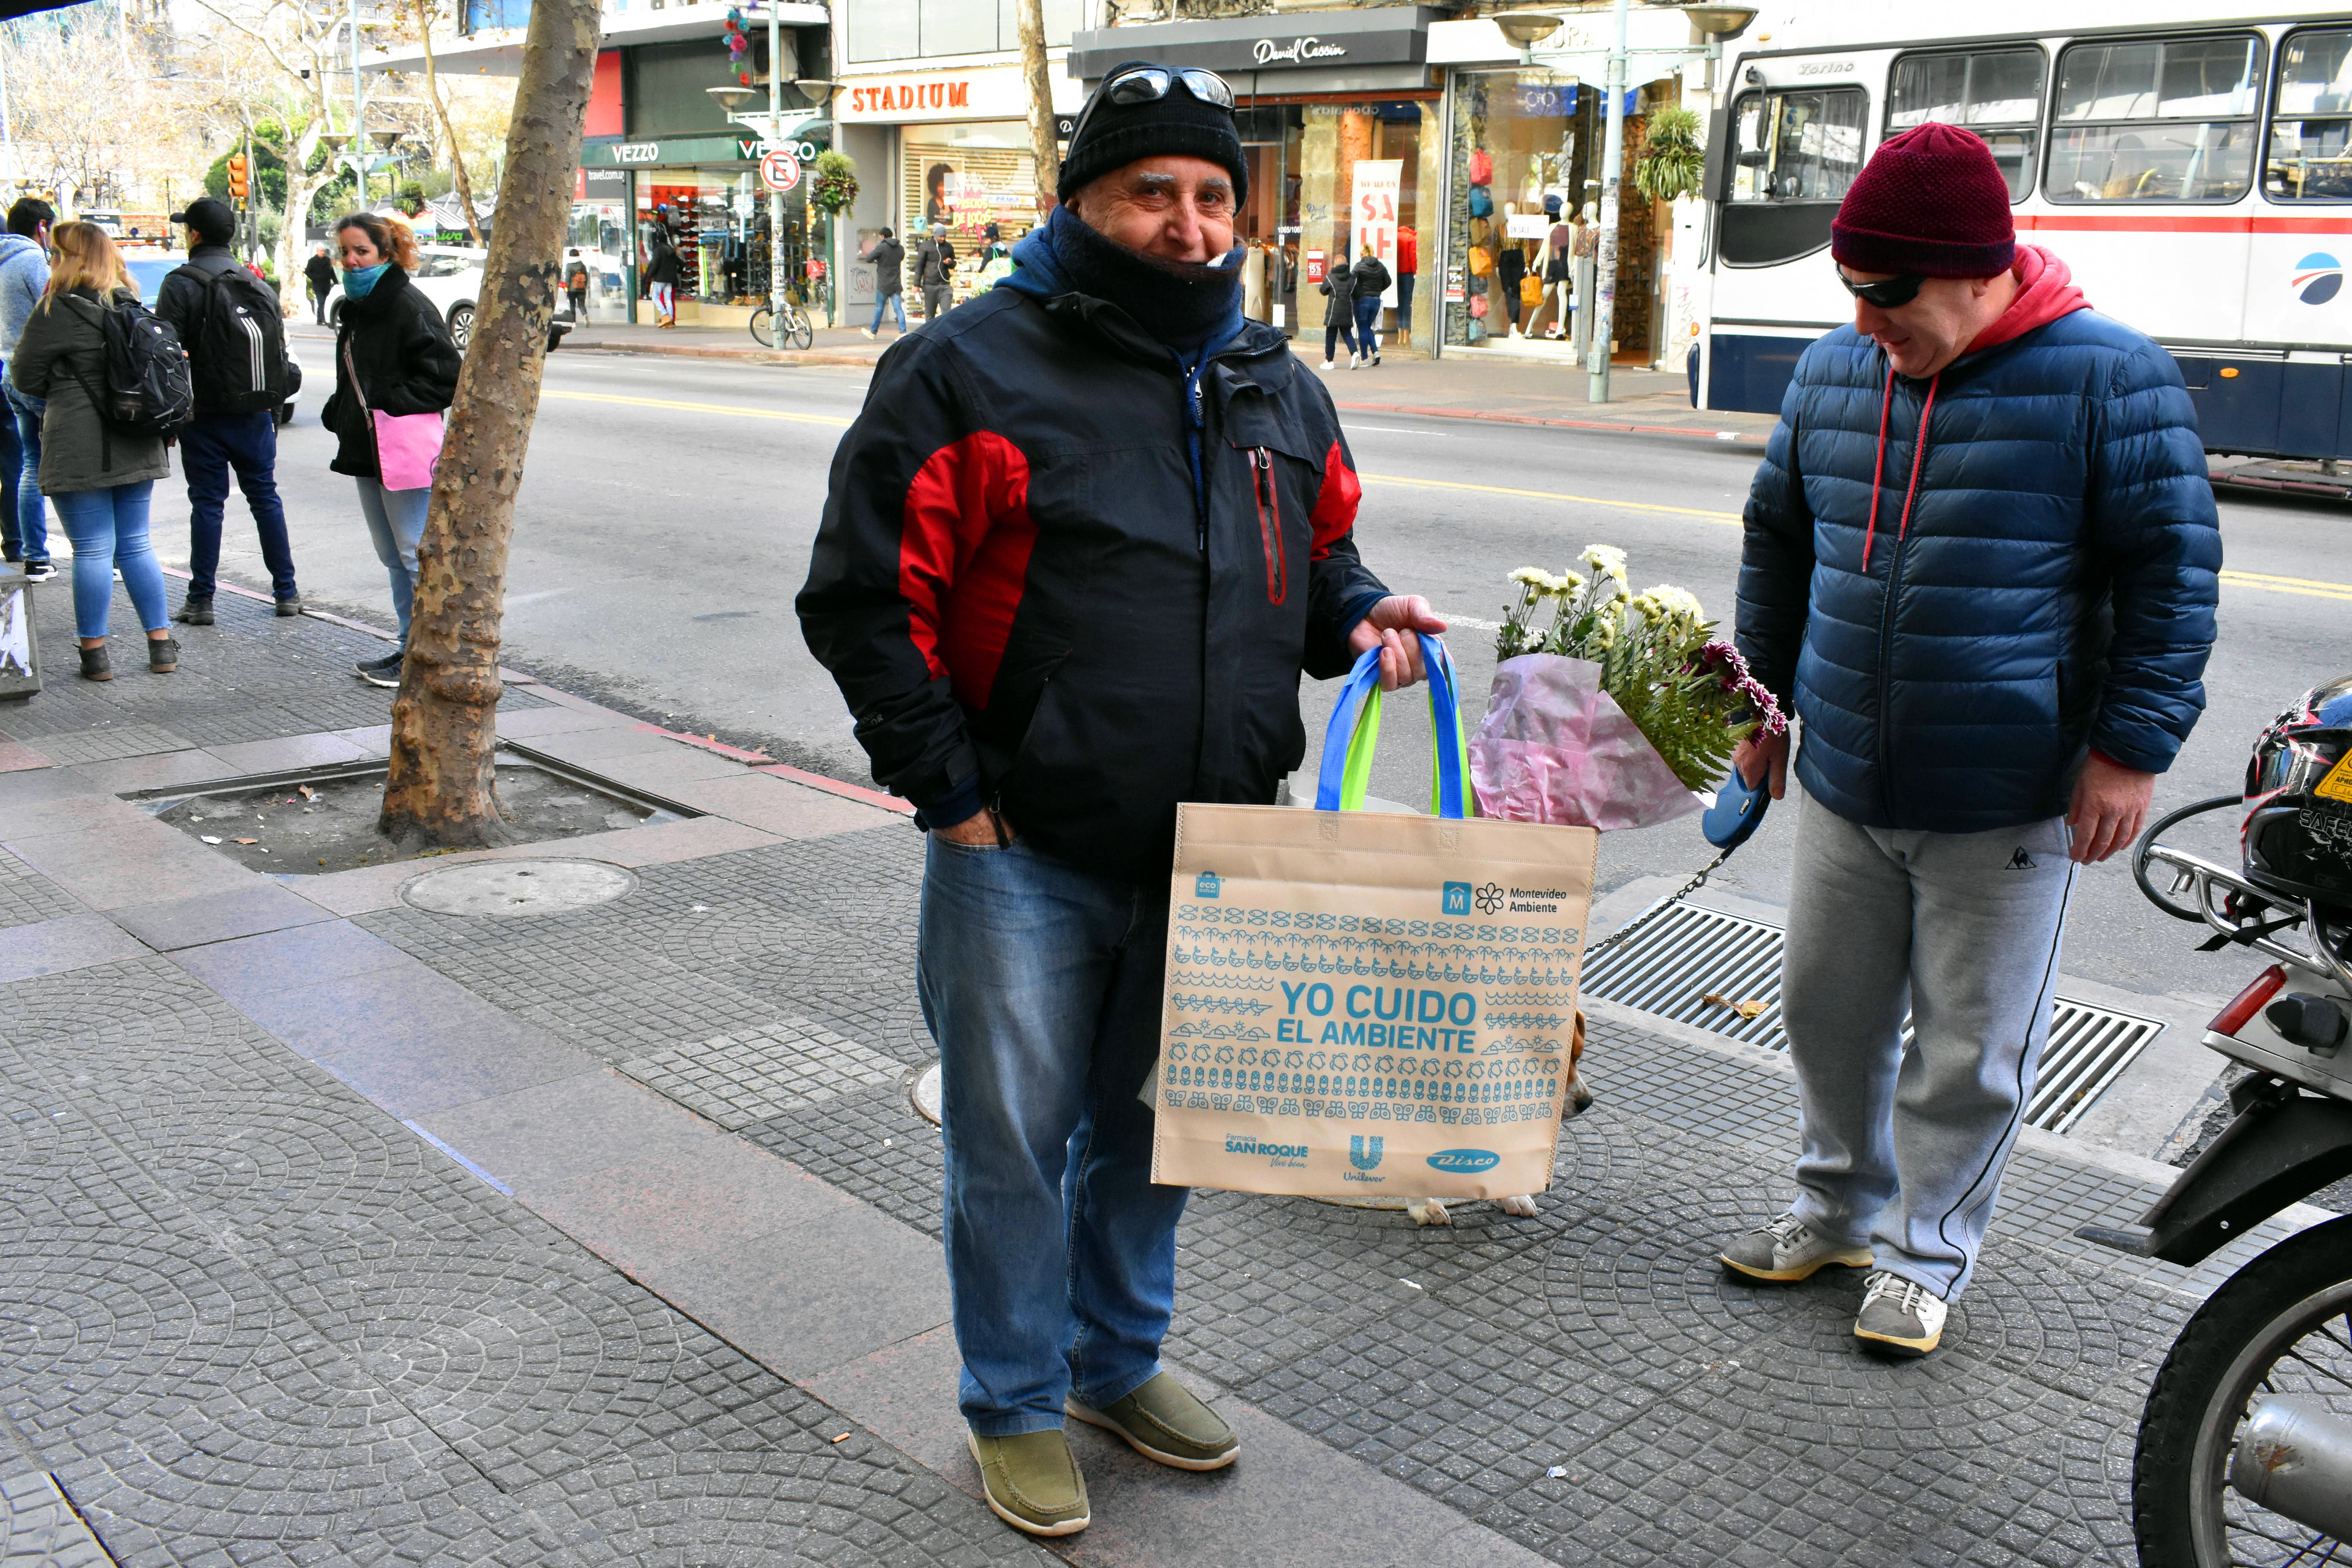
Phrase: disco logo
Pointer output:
(2317, 278)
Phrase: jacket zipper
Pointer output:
(1269, 525)
(1886, 651)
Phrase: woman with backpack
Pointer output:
(395, 372)
(1339, 315)
(98, 477)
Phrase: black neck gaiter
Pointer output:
(1183, 304)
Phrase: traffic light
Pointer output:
(236, 181)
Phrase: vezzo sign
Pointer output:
(637, 152)
(1298, 51)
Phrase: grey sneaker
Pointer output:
(1032, 1481)
(1165, 1421)
(196, 611)
(1787, 1250)
(383, 672)
(1900, 1317)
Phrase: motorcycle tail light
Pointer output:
(2249, 1001)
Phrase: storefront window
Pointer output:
(966, 177)
(1519, 178)
(717, 221)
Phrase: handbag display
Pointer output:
(1482, 166)
(407, 444)
(1482, 261)
(1531, 289)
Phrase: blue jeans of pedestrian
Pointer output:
(211, 445)
(1367, 325)
(12, 471)
(1040, 984)
(26, 528)
(395, 521)
(889, 302)
(108, 529)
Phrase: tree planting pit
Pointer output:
(322, 820)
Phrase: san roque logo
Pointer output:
(2318, 278)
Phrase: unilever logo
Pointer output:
(1363, 1152)
(2318, 278)
(1457, 899)
(1463, 1158)
(1206, 885)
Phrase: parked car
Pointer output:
(147, 271)
(451, 277)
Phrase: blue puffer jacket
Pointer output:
(2050, 591)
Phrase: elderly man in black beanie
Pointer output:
(1088, 532)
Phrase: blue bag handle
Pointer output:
(1355, 728)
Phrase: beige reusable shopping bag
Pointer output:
(1367, 1003)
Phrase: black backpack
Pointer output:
(147, 390)
(238, 356)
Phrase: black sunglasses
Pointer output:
(1891, 294)
(1148, 84)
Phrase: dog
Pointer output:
(1432, 1211)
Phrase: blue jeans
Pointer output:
(26, 528)
(889, 302)
(108, 529)
(1336, 324)
(1367, 325)
(1040, 984)
(395, 521)
(210, 445)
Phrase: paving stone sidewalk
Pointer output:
(336, 1231)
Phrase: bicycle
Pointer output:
(798, 332)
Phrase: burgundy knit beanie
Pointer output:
(1932, 202)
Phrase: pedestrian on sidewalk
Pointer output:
(24, 278)
(662, 273)
(575, 283)
(1339, 315)
(889, 259)
(229, 324)
(321, 272)
(393, 356)
(100, 478)
(1045, 585)
(1980, 562)
(1371, 277)
(935, 272)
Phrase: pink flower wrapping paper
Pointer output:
(1555, 748)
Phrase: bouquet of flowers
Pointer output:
(1610, 708)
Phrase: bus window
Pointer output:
(1793, 155)
(2157, 119)
(2310, 155)
(1996, 93)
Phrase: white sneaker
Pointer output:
(1899, 1316)
(1787, 1250)
(868, 331)
(1326, 365)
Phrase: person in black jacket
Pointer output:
(219, 441)
(321, 272)
(392, 355)
(1086, 534)
(1339, 315)
(1372, 279)
(889, 283)
(662, 273)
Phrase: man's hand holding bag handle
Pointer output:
(1366, 1002)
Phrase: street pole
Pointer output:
(774, 142)
(1603, 310)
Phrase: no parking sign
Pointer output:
(781, 170)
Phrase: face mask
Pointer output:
(357, 281)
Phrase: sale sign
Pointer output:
(1380, 187)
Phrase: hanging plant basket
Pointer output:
(1674, 160)
(835, 182)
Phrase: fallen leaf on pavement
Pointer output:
(1747, 1009)
(307, 792)
(249, 841)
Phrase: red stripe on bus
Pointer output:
(2150, 222)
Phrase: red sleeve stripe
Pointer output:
(963, 557)
(1334, 516)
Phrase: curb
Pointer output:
(750, 356)
(1753, 438)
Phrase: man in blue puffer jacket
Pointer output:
(1982, 560)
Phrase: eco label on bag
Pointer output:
(1367, 1003)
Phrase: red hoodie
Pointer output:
(2045, 291)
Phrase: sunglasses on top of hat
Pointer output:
(1888, 294)
(1148, 84)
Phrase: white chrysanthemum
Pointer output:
(1532, 577)
(1567, 585)
(1606, 558)
(1604, 634)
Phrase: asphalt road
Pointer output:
(665, 518)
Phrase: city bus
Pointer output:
(2193, 169)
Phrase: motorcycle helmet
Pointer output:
(2297, 840)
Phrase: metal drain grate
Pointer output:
(1686, 953)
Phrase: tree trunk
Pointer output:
(1042, 141)
(442, 790)
(448, 131)
(300, 191)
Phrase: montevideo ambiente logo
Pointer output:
(2318, 278)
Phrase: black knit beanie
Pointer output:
(1175, 124)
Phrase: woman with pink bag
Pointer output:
(395, 372)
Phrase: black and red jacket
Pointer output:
(1023, 604)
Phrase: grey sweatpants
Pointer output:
(1903, 1149)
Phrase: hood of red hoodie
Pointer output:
(2045, 291)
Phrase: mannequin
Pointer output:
(1510, 266)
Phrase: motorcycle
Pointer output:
(2244, 1452)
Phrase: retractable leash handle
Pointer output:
(1354, 733)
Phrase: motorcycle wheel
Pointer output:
(2282, 1324)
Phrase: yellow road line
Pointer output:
(2305, 586)
(734, 408)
